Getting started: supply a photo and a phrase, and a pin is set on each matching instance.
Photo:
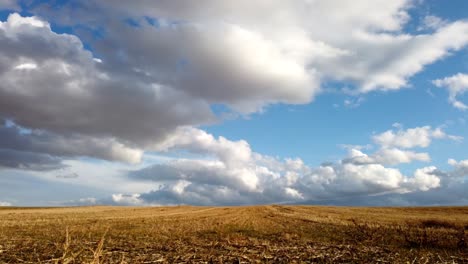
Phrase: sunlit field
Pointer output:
(260, 234)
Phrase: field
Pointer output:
(259, 234)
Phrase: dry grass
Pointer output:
(263, 234)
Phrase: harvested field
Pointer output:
(258, 234)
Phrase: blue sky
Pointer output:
(317, 102)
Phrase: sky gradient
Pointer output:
(229, 103)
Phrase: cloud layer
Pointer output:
(231, 173)
(155, 68)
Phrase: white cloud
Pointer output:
(15, 22)
(281, 50)
(395, 156)
(360, 42)
(394, 144)
(456, 85)
(127, 199)
(411, 138)
(425, 179)
(231, 173)
(26, 66)
(460, 168)
(5, 203)
(386, 156)
(196, 140)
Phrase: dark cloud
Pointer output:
(452, 194)
(449, 193)
(70, 146)
(51, 84)
(28, 161)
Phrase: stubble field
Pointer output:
(258, 234)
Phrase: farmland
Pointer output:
(257, 234)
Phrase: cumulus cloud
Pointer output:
(425, 179)
(127, 199)
(90, 100)
(387, 156)
(231, 173)
(460, 168)
(52, 86)
(411, 138)
(360, 42)
(291, 181)
(456, 85)
(282, 50)
(394, 145)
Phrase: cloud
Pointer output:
(17, 138)
(425, 179)
(324, 182)
(460, 168)
(9, 5)
(394, 145)
(89, 201)
(411, 138)
(353, 102)
(28, 161)
(361, 42)
(231, 173)
(432, 23)
(155, 69)
(450, 194)
(330, 184)
(5, 204)
(456, 86)
(396, 156)
(386, 156)
(115, 199)
(282, 50)
(94, 113)
(92, 101)
(125, 199)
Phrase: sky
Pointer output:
(167, 102)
